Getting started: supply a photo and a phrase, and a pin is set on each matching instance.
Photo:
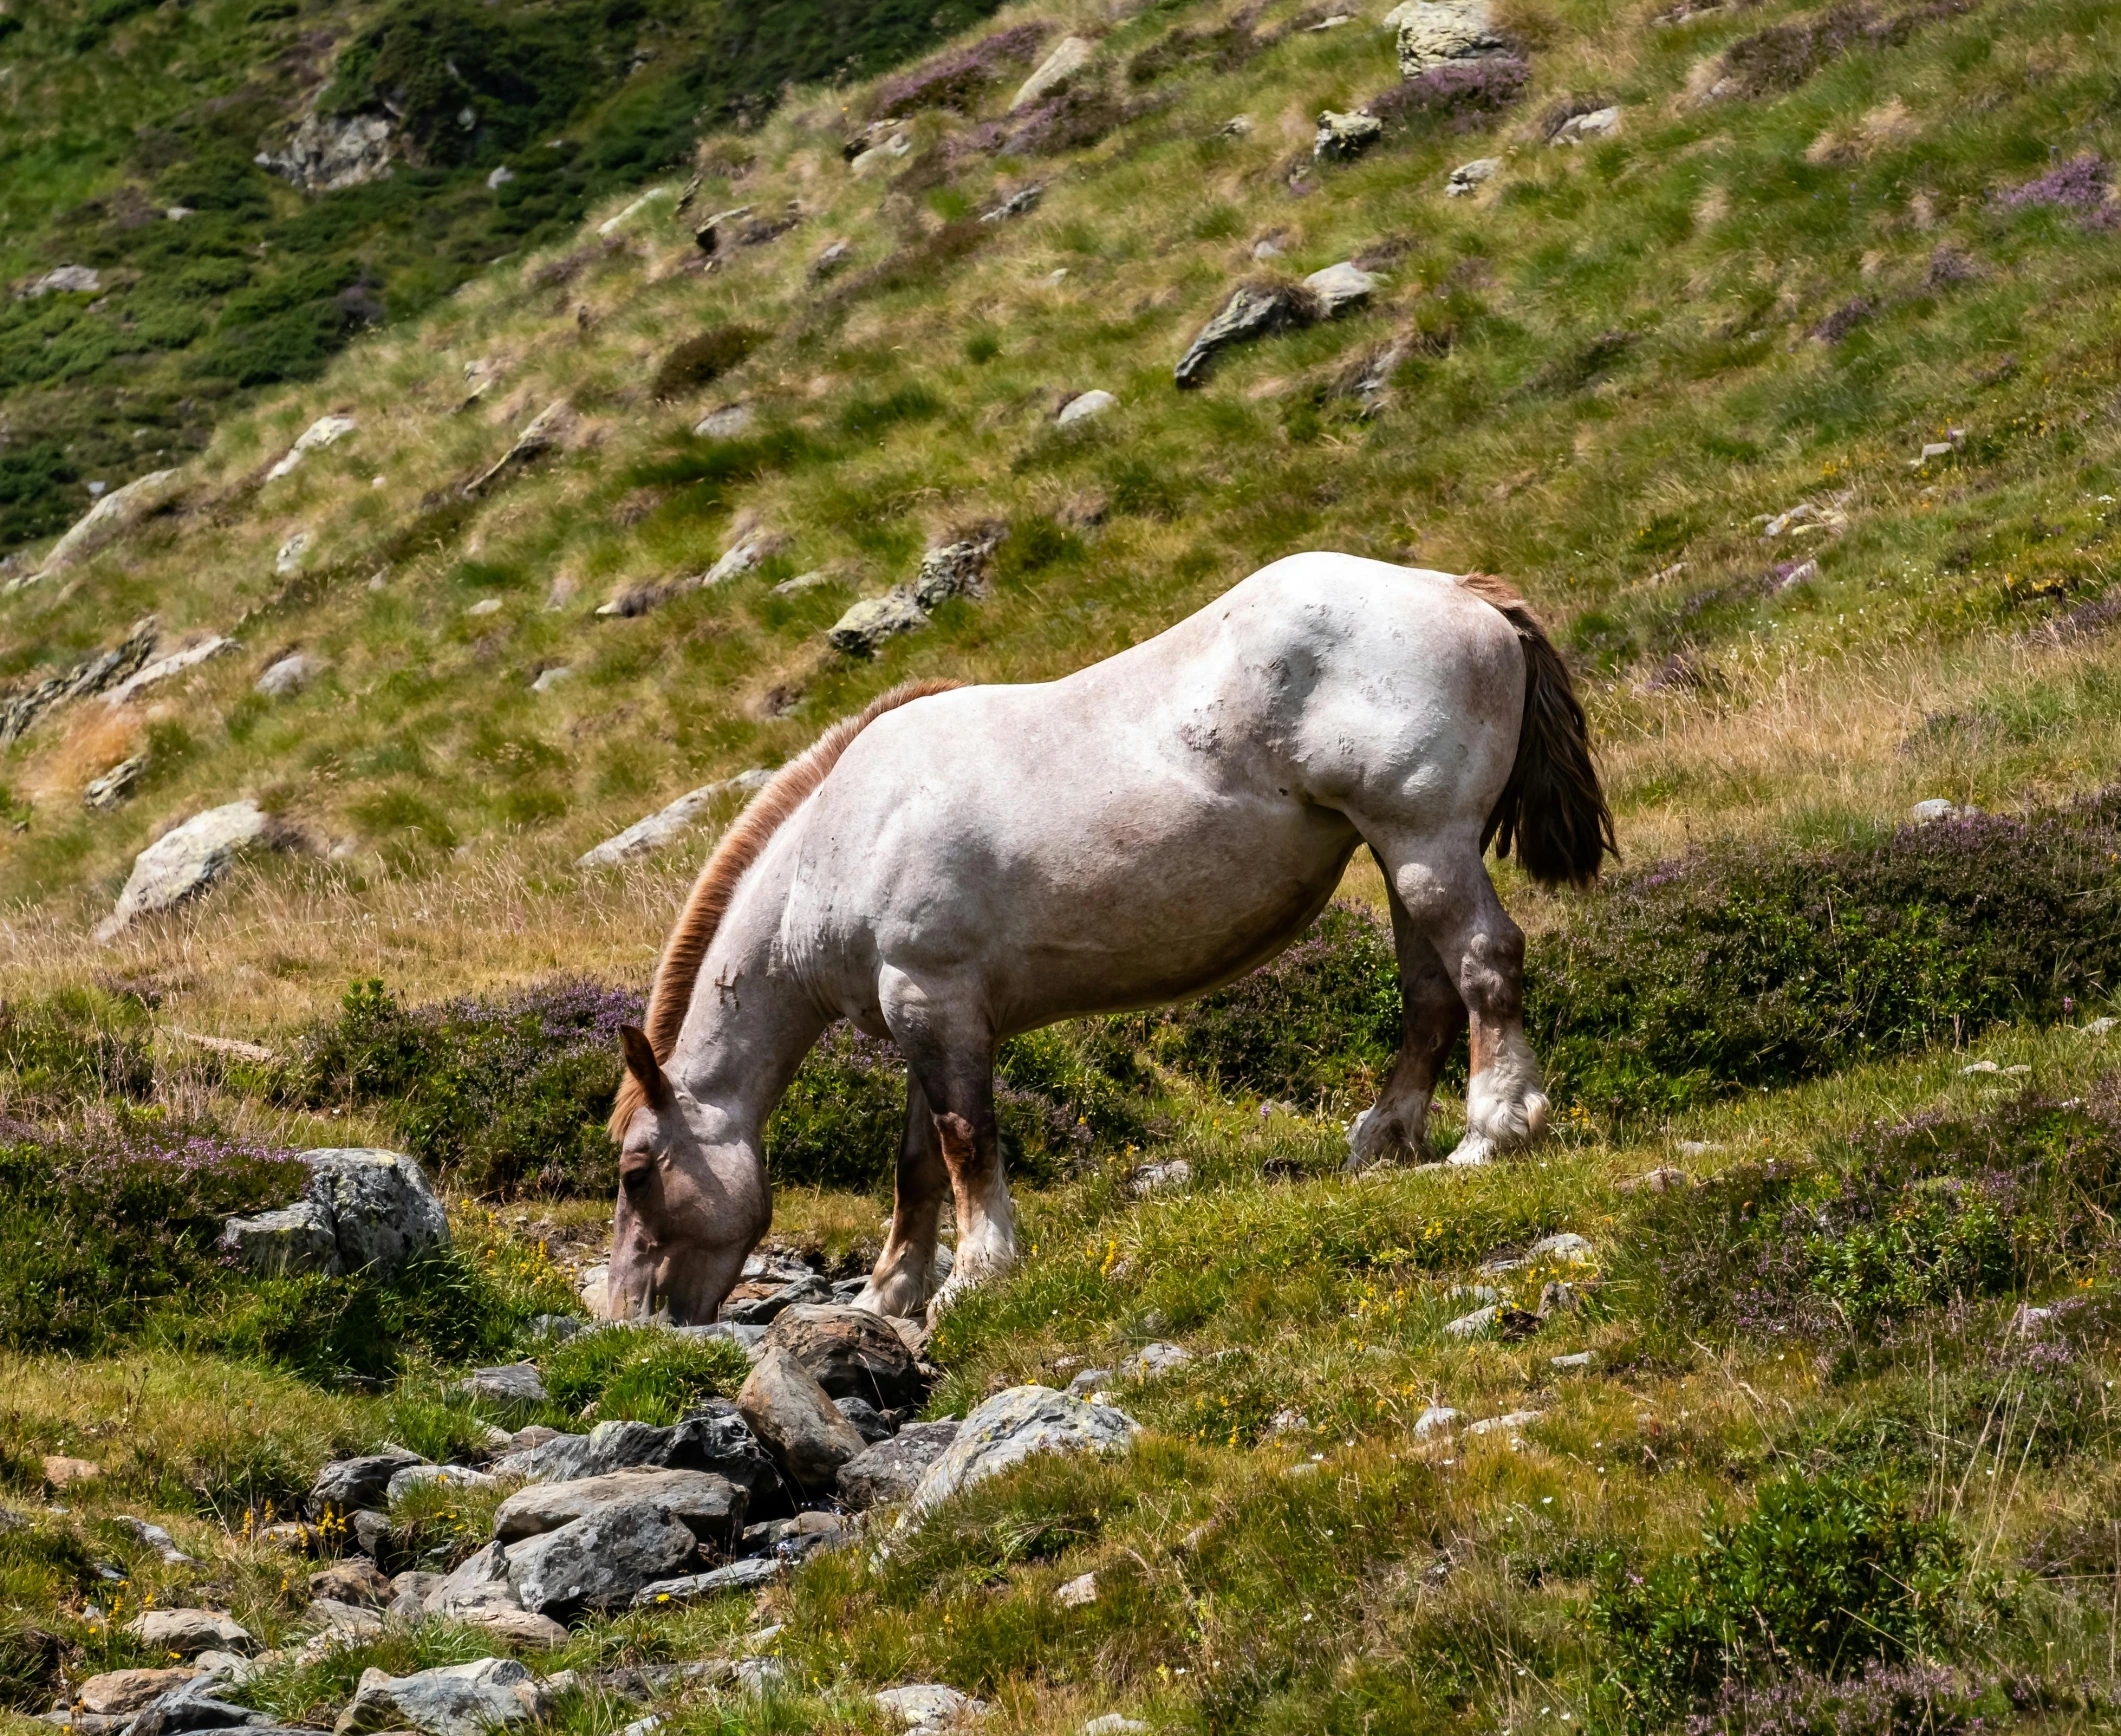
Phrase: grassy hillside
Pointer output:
(132, 144)
(1823, 1430)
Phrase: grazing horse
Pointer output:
(959, 864)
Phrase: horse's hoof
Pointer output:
(1475, 1148)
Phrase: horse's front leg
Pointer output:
(905, 1271)
(1431, 1017)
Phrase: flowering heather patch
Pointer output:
(2077, 185)
(1758, 965)
(1844, 319)
(1935, 1213)
(1466, 93)
(1883, 1700)
(1785, 55)
(957, 80)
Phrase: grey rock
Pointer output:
(1253, 310)
(1938, 808)
(789, 1411)
(1438, 31)
(163, 668)
(371, 1530)
(324, 431)
(184, 862)
(355, 1580)
(869, 1422)
(1021, 203)
(831, 259)
(1576, 1359)
(1340, 287)
(1478, 1324)
(325, 154)
(345, 1623)
(416, 1477)
(1156, 1178)
(409, 1592)
(196, 1705)
(188, 1631)
(1153, 1360)
(65, 280)
(1083, 406)
(1088, 1381)
(1504, 1425)
(548, 679)
(1582, 129)
(1070, 55)
(555, 1328)
(600, 1560)
(693, 1587)
(1014, 1426)
(104, 792)
(347, 1484)
(285, 1243)
(740, 558)
(287, 677)
(865, 626)
(850, 1352)
(457, 1700)
(383, 1212)
(545, 431)
(114, 514)
(925, 1706)
(1468, 178)
(956, 569)
(1437, 1419)
(888, 1471)
(476, 1584)
(289, 558)
(1345, 136)
(710, 1506)
(517, 1383)
(716, 1438)
(726, 423)
(20, 712)
(154, 1536)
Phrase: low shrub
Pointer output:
(640, 1374)
(704, 357)
(504, 1097)
(957, 79)
(1460, 93)
(1824, 1575)
(75, 1047)
(1760, 965)
(1937, 1210)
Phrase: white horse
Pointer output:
(960, 864)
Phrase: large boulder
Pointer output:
(328, 152)
(955, 569)
(792, 1414)
(850, 1352)
(285, 1243)
(383, 1212)
(1070, 55)
(1017, 1425)
(186, 860)
(746, 1575)
(1435, 32)
(116, 1692)
(187, 1632)
(711, 1507)
(324, 431)
(666, 825)
(113, 514)
(601, 1560)
(889, 1470)
(457, 1700)
(511, 1384)
(346, 1485)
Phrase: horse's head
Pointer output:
(693, 1199)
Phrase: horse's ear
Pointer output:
(647, 1071)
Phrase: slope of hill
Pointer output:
(1772, 350)
(241, 187)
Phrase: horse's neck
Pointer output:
(752, 1020)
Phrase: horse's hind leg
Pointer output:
(1444, 886)
(905, 1270)
(1431, 1017)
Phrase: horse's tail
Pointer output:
(1552, 808)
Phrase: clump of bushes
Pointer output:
(1936, 1211)
(1760, 965)
(505, 1097)
(1825, 1575)
(1462, 94)
(958, 79)
(704, 357)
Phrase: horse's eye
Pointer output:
(634, 1178)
